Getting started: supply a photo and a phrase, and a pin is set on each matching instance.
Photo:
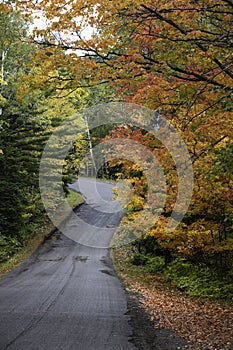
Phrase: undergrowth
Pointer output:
(14, 249)
(194, 279)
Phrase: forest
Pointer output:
(59, 57)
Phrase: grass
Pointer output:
(128, 272)
(74, 199)
(26, 250)
(180, 276)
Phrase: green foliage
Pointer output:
(74, 199)
(199, 280)
(194, 279)
(153, 264)
(27, 121)
(29, 114)
(8, 247)
(224, 161)
(139, 259)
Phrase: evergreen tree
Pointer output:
(23, 133)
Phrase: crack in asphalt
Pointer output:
(66, 295)
(36, 320)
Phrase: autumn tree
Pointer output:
(174, 55)
(30, 112)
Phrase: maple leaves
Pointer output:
(176, 55)
(144, 33)
(203, 324)
(157, 46)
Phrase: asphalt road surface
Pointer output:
(66, 295)
(96, 222)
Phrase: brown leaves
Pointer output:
(205, 325)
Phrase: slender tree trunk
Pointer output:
(90, 144)
(4, 54)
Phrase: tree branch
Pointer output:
(208, 148)
(198, 77)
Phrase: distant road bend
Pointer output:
(66, 296)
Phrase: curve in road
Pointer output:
(66, 295)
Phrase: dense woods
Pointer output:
(172, 55)
(29, 115)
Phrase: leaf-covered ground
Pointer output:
(205, 325)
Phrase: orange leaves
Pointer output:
(204, 325)
(169, 54)
(133, 40)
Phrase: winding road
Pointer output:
(66, 295)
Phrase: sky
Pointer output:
(40, 23)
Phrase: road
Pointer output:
(66, 295)
(97, 220)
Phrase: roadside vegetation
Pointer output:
(11, 255)
(197, 280)
(174, 57)
(195, 310)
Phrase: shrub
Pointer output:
(154, 264)
(139, 259)
(199, 280)
(8, 247)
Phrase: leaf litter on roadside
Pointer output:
(206, 325)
